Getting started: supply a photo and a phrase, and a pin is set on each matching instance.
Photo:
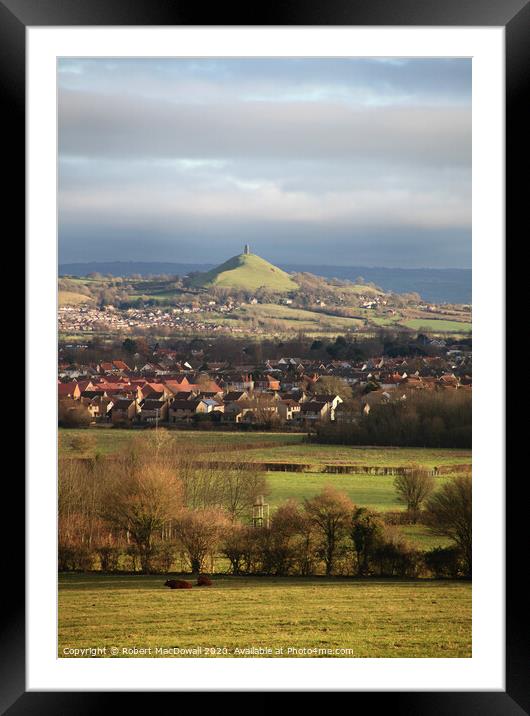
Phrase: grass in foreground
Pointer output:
(372, 618)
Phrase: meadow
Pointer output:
(375, 491)
(351, 617)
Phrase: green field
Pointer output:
(437, 326)
(299, 319)
(370, 618)
(70, 298)
(276, 447)
(109, 440)
(375, 491)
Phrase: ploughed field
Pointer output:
(339, 617)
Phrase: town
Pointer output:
(288, 392)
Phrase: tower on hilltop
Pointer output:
(247, 249)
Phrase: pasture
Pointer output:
(368, 618)
(272, 447)
(375, 491)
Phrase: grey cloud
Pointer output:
(95, 125)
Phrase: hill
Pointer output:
(246, 272)
(69, 298)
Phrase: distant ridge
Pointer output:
(433, 285)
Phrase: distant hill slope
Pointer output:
(246, 272)
(434, 285)
(69, 298)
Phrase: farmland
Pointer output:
(369, 618)
(375, 491)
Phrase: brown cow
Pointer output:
(178, 584)
(204, 581)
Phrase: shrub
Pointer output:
(108, 558)
(82, 443)
(445, 562)
(162, 557)
(75, 558)
(394, 557)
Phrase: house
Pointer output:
(69, 390)
(237, 381)
(99, 406)
(332, 400)
(185, 410)
(154, 411)
(288, 409)
(267, 382)
(313, 412)
(178, 385)
(235, 396)
(155, 390)
(125, 410)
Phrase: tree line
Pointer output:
(152, 509)
(422, 419)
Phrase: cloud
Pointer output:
(129, 127)
(219, 149)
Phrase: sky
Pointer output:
(361, 162)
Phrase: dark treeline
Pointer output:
(383, 342)
(424, 419)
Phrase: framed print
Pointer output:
(266, 327)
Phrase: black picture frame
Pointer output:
(514, 16)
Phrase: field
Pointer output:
(287, 318)
(375, 618)
(288, 450)
(70, 298)
(438, 325)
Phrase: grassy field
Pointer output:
(277, 447)
(294, 318)
(438, 326)
(375, 618)
(70, 298)
(374, 491)
(109, 440)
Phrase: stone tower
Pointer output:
(247, 249)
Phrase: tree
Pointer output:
(332, 385)
(366, 531)
(329, 511)
(130, 345)
(235, 546)
(72, 414)
(200, 532)
(287, 526)
(413, 488)
(449, 514)
(240, 487)
(142, 497)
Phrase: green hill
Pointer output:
(246, 272)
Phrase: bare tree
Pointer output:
(200, 533)
(330, 512)
(413, 488)
(240, 487)
(140, 501)
(449, 513)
